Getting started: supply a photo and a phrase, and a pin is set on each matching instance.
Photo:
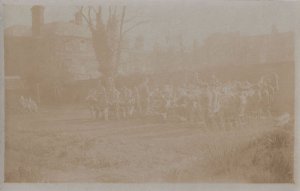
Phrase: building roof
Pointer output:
(54, 28)
(66, 29)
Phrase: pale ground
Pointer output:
(64, 145)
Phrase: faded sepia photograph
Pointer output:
(149, 92)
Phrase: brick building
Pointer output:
(50, 55)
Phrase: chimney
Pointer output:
(78, 18)
(37, 12)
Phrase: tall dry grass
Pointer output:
(264, 159)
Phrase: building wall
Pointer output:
(51, 58)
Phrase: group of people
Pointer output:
(28, 104)
(201, 101)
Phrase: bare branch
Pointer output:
(98, 16)
(122, 21)
(130, 19)
(134, 26)
(89, 15)
(83, 15)
(88, 20)
(121, 35)
(94, 10)
(136, 15)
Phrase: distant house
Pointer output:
(50, 54)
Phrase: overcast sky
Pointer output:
(189, 19)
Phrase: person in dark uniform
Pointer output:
(102, 104)
(144, 97)
(205, 100)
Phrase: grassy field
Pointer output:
(63, 145)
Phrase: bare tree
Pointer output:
(107, 37)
